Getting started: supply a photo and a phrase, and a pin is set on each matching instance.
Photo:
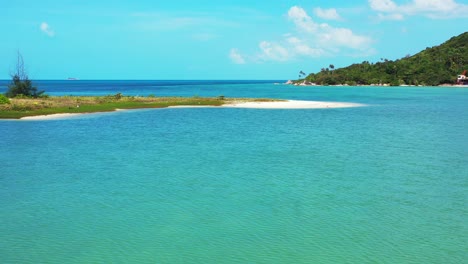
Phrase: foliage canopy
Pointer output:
(432, 66)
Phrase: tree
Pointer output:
(21, 85)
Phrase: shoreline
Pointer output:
(293, 104)
(52, 116)
(288, 104)
(307, 84)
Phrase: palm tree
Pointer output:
(332, 67)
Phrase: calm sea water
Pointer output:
(385, 183)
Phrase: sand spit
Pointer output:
(289, 104)
(293, 104)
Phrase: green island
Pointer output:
(438, 65)
(19, 106)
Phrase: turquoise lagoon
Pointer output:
(384, 183)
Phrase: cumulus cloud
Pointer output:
(329, 14)
(310, 39)
(324, 35)
(389, 10)
(301, 19)
(47, 29)
(236, 57)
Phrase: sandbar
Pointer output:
(288, 104)
(293, 104)
(50, 117)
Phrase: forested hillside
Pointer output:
(432, 66)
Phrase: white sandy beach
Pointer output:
(289, 104)
(293, 104)
(49, 117)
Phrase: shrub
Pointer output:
(21, 85)
(4, 99)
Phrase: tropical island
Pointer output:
(438, 65)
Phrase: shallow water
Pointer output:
(385, 183)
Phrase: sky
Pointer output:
(216, 39)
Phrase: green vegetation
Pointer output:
(22, 87)
(432, 66)
(4, 99)
(23, 106)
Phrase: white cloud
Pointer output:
(383, 5)
(432, 6)
(236, 57)
(329, 14)
(47, 29)
(389, 10)
(324, 34)
(301, 19)
(343, 37)
(302, 48)
(273, 51)
(310, 39)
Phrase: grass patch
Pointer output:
(22, 107)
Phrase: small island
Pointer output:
(20, 107)
(47, 107)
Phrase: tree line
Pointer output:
(432, 66)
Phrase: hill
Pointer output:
(432, 66)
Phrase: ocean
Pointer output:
(383, 183)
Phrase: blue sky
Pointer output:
(222, 39)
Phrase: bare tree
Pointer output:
(19, 68)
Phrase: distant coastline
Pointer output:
(305, 83)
